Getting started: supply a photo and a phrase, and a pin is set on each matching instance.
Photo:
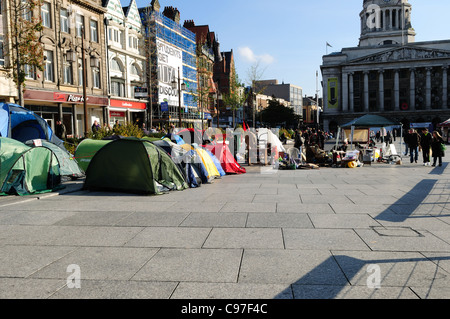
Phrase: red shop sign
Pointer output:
(128, 104)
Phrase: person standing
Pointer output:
(95, 127)
(60, 130)
(425, 144)
(413, 143)
(436, 148)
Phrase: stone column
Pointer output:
(351, 93)
(325, 94)
(428, 89)
(381, 90)
(344, 92)
(396, 90)
(444, 87)
(366, 91)
(412, 89)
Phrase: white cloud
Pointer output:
(248, 55)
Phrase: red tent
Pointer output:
(226, 159)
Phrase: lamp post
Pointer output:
(83, 61)
(177, 85)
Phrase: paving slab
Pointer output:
(29, 288)
(290, 266)
(396, 269)
(264, 238)
(240, 291)
(192, 265)
(342, 220)
(278, 220)
(233, 220)
(100, 263)
(170, 237)
(318, 239)
(117, 289)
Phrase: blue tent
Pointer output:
(24, 125)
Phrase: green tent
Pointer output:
(68, 165)
(134, 166)
(86, 150)
(25, 170)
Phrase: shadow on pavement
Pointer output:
(360, 273)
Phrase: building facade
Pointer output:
(173, 59)
(288, 92)
(388, 73)
(208, 52)
(56, 93)
(8, 89)
(126, 63)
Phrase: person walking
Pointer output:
(425, 145)
(436, 148)
(413, 143)
(405, 140)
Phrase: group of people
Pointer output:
(309, 137)
(431, 144)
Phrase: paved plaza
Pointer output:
(378, 231)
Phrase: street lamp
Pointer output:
(177, 85)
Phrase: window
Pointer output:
(48, 68)
(30, 72)
(115, 35)
(96, 77)
(68, 72)
(64, 20)
(80, 72)
(115, 65)
(134, 69)
(94, 31)
(133, 43)
(26, 11)
(117, 88)
(45, 15)
(79, 24)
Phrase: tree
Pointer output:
(254, 75)
(276, 114)
(236, 96)
(26, 53)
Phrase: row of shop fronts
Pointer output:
(69, 107)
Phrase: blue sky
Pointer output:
(289, 37)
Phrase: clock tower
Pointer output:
(386, 22)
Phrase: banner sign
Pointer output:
(170, 59)
(333, 93)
